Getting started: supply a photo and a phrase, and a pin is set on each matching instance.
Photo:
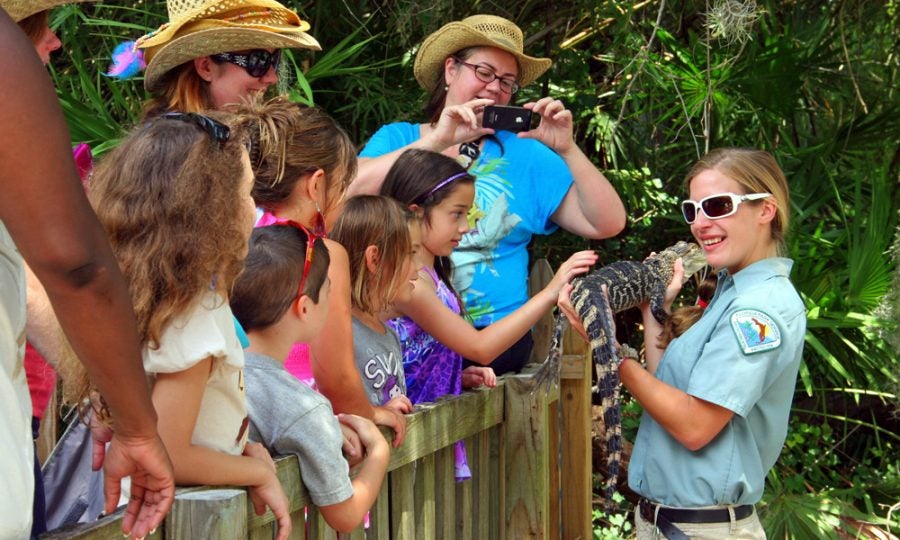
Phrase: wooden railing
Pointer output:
(522, 485)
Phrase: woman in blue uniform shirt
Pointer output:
(716, 400)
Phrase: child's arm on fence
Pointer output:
(347, 515)
(177, 397)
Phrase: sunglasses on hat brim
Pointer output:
(717, 206)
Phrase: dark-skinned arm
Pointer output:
(45, 210)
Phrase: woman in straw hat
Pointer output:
(213, 53)
(526, 184)
(32, 183)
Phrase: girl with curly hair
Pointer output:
(175, 201)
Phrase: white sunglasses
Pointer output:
(717, 206)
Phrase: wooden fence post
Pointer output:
(541, 274)
(576, 466)
(526, 452)
(214, 513)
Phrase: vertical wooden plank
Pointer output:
(379, 514)
(298, 520)
(553, 468)
(358, 533)
(215, 513)
(425, 497)
(403, 519)
(576, 466)
(526, 450)
(464, 510)
(318, 528)
(264, 532)
(479, 461)
(541, 274)
(445, 493)
(498, 481)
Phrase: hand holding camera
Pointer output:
(458, 124)
(546, 120)
(556, 125)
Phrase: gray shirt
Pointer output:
(379, 360)
(289, 417)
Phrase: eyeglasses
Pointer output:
(487, 75)
(256, 63)
(217, 130)
(717, 206)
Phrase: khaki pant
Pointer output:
(748, 528)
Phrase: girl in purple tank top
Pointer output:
(434, 330)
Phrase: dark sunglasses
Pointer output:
(217, 130)
(717, 206)
(256, 62)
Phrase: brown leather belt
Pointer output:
(665, 519)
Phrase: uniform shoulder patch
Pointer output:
(755, 331)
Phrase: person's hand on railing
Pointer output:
(352, 448)
(269, 493)
(475, 376)
(367, 434)
(257, 450)
(391, 415)
(152, 478)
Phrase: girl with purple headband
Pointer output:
(433, 331)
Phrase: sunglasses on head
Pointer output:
(717, 206)
(217, 130)
(256, 62)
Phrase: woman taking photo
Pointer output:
(526, 184)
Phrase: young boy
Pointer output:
(282, 298)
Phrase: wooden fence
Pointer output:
(530, 478)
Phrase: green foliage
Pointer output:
(99, 109)
(612, 527)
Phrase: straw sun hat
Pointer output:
(203, 27)
(20, 9)
(475, 31)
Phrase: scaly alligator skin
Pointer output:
(628, 285)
